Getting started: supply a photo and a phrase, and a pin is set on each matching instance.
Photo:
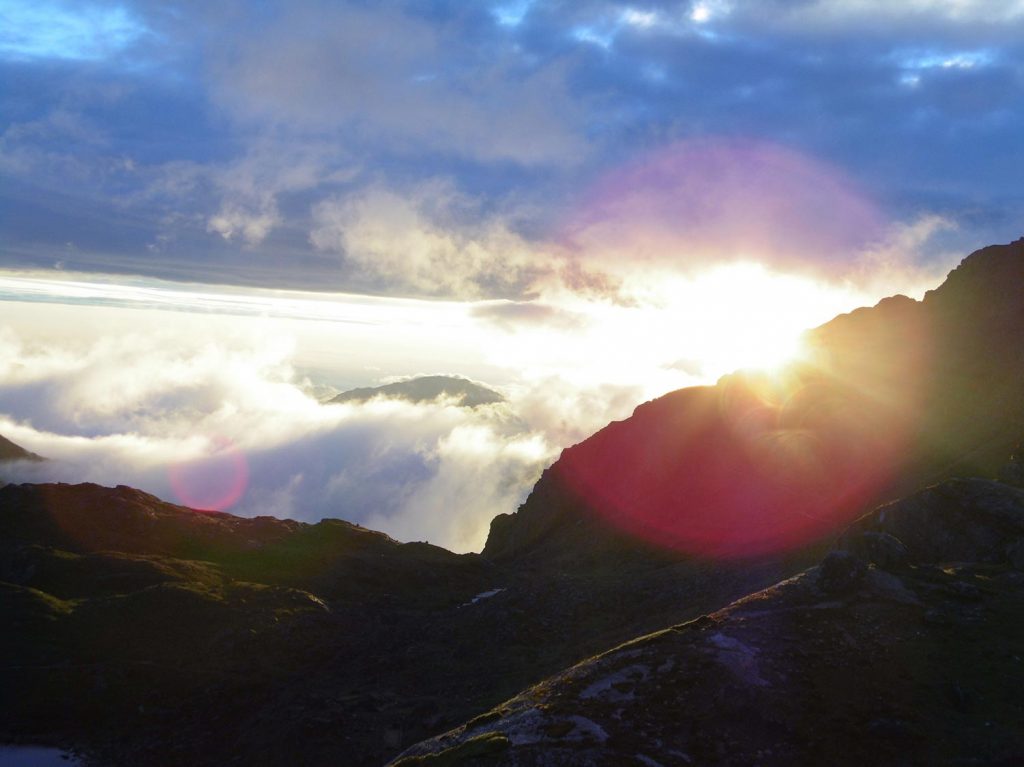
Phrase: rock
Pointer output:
(881, 549)
(961, 520)
(841, 572)
(1015, 554)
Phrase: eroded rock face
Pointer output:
(911, 656)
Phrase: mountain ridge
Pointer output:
(888, 401)
(12, 452)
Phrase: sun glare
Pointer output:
(743, 315)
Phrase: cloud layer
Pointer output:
(446, 149)
(226, 420)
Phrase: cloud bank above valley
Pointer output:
(152, 403)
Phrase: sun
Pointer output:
(745, 316)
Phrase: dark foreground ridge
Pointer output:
(894, 650)
(140, 632)
(146, 633)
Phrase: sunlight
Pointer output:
(745, 316)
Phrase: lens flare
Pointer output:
(754, 465)
(714, 200)
(214, 482)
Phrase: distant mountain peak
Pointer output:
(420, 389)
(12, 452)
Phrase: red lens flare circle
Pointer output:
(214, 482)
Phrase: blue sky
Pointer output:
(446, 149)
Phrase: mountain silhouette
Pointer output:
(12, 452)
(426, 389)
(801, 630)
(890, 398)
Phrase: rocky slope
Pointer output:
(891, 398)
(902, 647)
(143, 632)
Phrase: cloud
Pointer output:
(834, 12)
(249, 187)
(429, 239)
(159, 410)
(510, 315)
(706, 201)
(42, 29)
(907, 257)
(208, 141)
(252, 225)
(327, 67)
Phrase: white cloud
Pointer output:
(428, 239)
(905, 259)
(834, 13)
(249, 187)
(41, 29)
(145, 409)
(251, 225)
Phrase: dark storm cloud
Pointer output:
(235, 143)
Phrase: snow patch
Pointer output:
(605, 688)
(482, 595)
(586, 726)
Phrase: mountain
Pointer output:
(426, 389)
(149, 633)
(146, 633)
(901, 647)
(11, 452)
(890, 398)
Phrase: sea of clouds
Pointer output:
(151, 407)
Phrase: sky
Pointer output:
(213, 215)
